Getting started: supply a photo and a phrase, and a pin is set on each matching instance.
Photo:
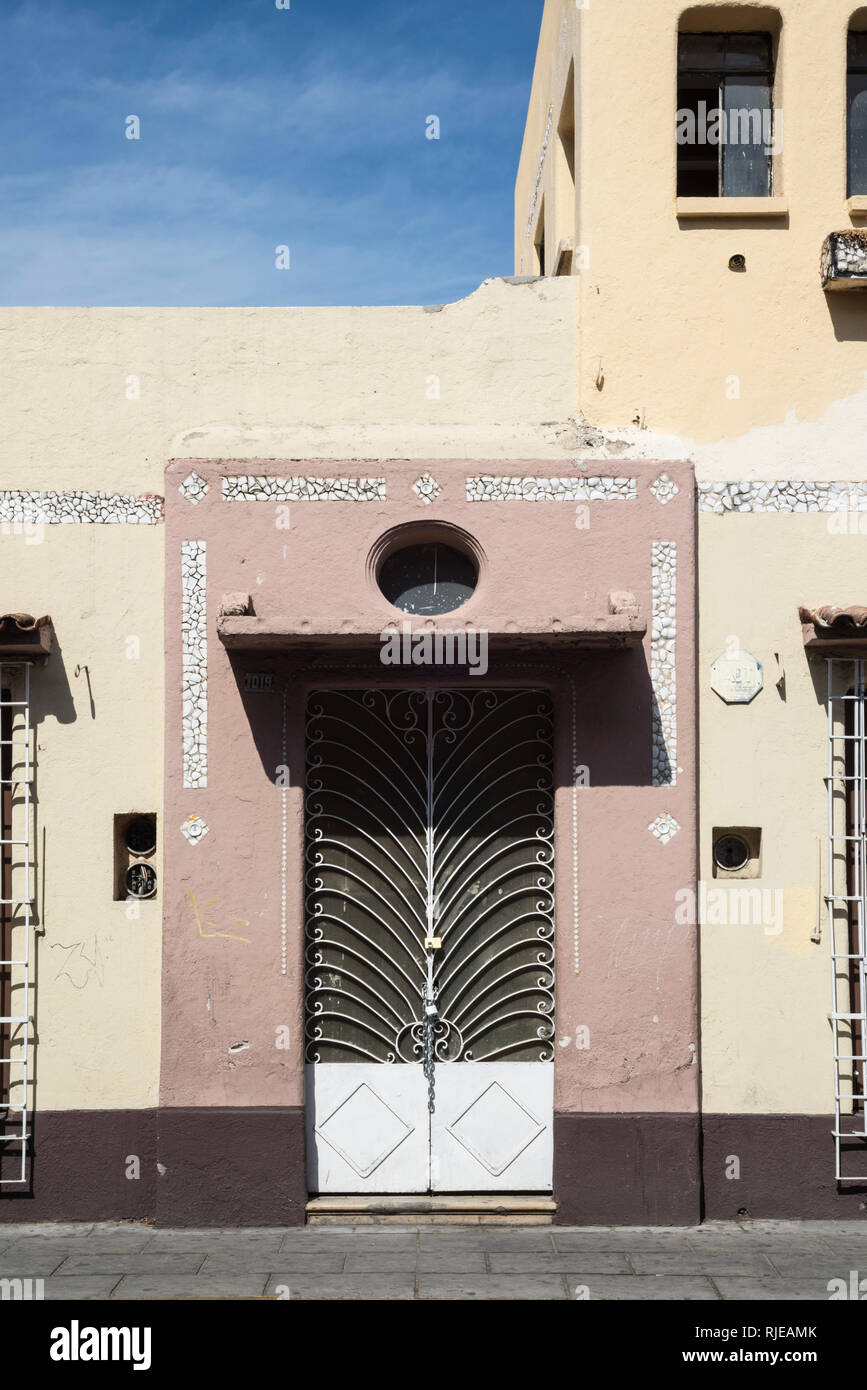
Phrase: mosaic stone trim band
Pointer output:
(662, 664)
(247, 488)
(195, 663)
(57, 508)
(485, 488)
(782, 497)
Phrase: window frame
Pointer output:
(702, 76)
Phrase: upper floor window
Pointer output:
(725, 124)
(856, 113)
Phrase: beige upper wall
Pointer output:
(484, 376)
(670, 324)
(296, 383)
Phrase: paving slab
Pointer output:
(322, 1262)
(770, 1290)
(452, 1262)
(29, 1264)
(646, 1288)
(624, 1238)
(365, 1287)
(820, 1267)
(591, 1261)
(379, 1261)
(157, 1286)
(460, 1287)
(367, 1242)
(104, 1262)
(689, 1262)
(85, 1287)
(22, 1229)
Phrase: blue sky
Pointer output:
(259, 127)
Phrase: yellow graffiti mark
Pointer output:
(203, 920)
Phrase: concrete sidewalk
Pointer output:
(754, 1260)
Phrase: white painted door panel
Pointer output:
(492, 1127)
(367, 1128)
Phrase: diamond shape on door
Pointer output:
(363, 1130)
(495, 1128)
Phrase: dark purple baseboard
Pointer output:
(232, 1167)
(78, 1165)
(627, 1170)
(246, 1167)
(198, 1167)
(786, 1166)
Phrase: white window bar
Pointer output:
(846, 899)
(15, 1031)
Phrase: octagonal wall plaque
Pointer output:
(736, 677)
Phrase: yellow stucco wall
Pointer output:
(297, 383)
(756, 375)
(659, 308)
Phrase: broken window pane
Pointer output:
(747, 147)
(724, 128)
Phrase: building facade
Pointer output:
(435, 757)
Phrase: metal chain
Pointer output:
(429, 1024)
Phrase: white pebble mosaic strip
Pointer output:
(782, 497)
(58, 508)
(195, 663)
(662, 663)
(664, 828)
(247, 488)
(486, 488)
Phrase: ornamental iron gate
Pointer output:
(430, 930)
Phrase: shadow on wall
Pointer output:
(50, 697)
(848, 311)
(615, 703)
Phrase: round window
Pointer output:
(731, 852)
(429, 578)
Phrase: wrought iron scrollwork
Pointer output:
(430, 816)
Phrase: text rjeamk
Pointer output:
(742, 125)
(76, 1343)
(468, 647)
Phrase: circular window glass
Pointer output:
(430, 578)
(731, 852)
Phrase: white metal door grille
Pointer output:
(846, 898)
(430, 876)
(16, 919)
